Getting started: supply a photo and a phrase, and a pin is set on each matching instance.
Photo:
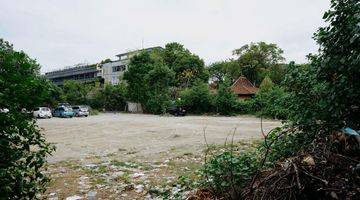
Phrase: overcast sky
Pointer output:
(67, 32)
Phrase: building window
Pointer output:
(119, 68)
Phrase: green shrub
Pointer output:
(157, 102)
(228, 173)
(114, 97)
(94, 112)
(95, 98)
(75, 92)
(245, 106)
(284, 143)
(197, 99)
(225, 100)
(109, 97)
(272, 103)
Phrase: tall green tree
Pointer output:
(158, 81)
(256, 59)
(217, 71)
(55, 95)
(140, 65)
(187, 66)
(23, 149)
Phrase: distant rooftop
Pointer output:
(70, 68)
(243, 86)
(132, 52)
(78, 68)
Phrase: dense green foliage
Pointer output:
(23, 148)
(197, 98)
(151, 76)
(140, 65)
(113, 97)
(332, 79)
(256, 59)
(158, 81)
(219, 70)
(75, 92)
(187, 66)
(270, 101)
(225, 99)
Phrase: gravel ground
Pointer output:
(144, 137)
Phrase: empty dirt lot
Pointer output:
(144, 137)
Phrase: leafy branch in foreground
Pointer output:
(23, 149)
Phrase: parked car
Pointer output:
(41, 112)
(63, 112)
(176, 110)
(81, 111)
(64, 104)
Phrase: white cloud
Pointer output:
(61, 33)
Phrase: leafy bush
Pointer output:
(225, 100)
(95, 97)
(114, 97)
(197, 98)
(284, 143)
(245, 106)
(272, 103)
(94, 112)
(23, 149)
(229, 173)
(75, 92)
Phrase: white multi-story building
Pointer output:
(113, 71)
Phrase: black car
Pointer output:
(177, 110)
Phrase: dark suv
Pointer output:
(177, 110)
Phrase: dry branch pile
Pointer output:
(329, 169)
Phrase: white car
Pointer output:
(42, 112)
(81, 111)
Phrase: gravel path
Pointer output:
(144, 137)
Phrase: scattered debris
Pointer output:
(308, 160)
(137, 175)
(91, 166)
(139, 188)
(91, 195)
(73, 198)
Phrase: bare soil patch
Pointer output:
(134, 156)
(144, 137)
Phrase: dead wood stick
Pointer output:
(297, 176)
(347, 158)
(315, 177)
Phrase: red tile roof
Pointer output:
(243, 86)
